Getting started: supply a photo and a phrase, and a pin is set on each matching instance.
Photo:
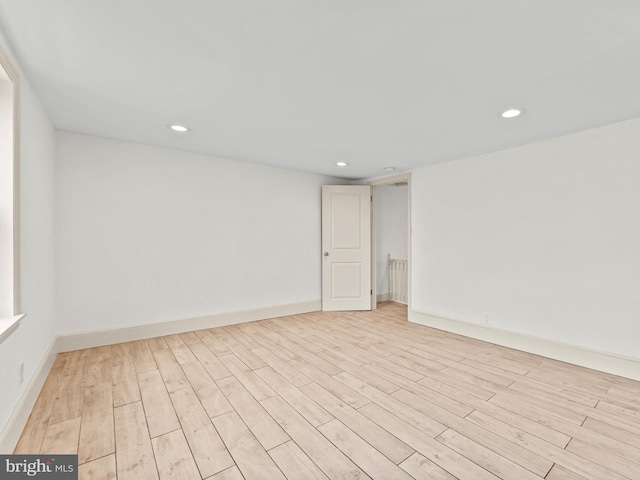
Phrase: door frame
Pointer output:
(379, 182)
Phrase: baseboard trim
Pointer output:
(15, 424)
(382, 297)
(99, 338)
(603, 361)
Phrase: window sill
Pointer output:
(8, 325)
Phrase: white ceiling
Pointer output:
(302, 84)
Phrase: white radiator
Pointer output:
(398, 281)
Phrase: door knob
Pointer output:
(326, 254)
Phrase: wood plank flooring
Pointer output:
(333, 395)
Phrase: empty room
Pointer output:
(319, 240)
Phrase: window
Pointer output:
(9, 199)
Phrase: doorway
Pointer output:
(366, 244)
(391, 240)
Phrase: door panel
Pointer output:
(346, 247)
(346, 212)
(346, 280)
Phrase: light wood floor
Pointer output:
(333, 395)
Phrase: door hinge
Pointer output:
(372, 291)
(372, 198)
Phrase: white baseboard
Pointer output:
(603, 361)
(98, 338)
(12, 430)
(15, 424)
(382, 297)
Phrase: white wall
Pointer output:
(545, 237)
(30, 341)
(391, 210)
(148, 234)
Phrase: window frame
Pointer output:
(8, 325)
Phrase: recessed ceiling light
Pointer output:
(342, 164)
(512, 112)
(390, 169)
(178, 128)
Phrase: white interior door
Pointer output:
(346, 247)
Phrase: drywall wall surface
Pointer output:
(391, 210)
(543, 238)
(30, 341)
(148, 234)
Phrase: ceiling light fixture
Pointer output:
(178, 128)
(342, 164)
(512, 112)
(390, 169)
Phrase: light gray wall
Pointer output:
(544, 237)
(149, 234)
(31, 340)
